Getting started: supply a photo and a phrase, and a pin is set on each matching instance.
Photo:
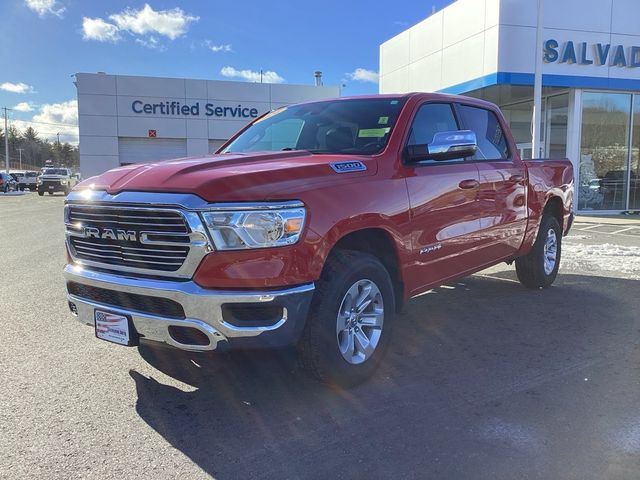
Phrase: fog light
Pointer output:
(73, 308)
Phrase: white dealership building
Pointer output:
(590, 74)
(127, 119)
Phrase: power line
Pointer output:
(47, 123)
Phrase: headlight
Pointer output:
(63, 182)
(38, 180)
(242, 229)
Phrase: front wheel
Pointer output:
(539, 268)
(349, 326)
(40, 193)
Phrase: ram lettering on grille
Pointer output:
(109, 233)
(146, 239)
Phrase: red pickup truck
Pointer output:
(311, 227)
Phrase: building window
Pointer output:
(634, 174)
(604, 151)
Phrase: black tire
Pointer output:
(531, 267)
(318, 348)
(40, 193)
(50, 193)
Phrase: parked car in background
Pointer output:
(7, 183)
(27, 180)
(56, 180)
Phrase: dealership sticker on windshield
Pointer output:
(373, 132)
(112, 327)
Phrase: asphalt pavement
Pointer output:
(483, 380)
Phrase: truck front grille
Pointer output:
(127, 301)
(150, 239)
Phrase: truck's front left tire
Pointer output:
(349, 325)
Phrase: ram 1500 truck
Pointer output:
(311, 227)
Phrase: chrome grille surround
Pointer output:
(168, 242)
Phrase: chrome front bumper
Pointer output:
(202, 310)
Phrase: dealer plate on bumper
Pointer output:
(114, 328)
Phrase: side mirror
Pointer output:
(445, 146)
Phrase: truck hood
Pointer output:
(232, 177)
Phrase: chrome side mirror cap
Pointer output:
(445, 146)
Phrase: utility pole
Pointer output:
(20, 151)
(6, 139)
(58, 138)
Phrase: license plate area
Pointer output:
(115, 328)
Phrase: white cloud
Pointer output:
(151, 42)
(16, 87)
(23, 107)
(54, 118)
(363, 75)
(45, 7)
(218, 48)
(98, 29)
(251, 76)
(169, 23)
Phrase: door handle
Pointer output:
(469, 184)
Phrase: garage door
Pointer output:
(134, 150)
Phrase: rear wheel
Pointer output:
(349, 326)
(539, 268)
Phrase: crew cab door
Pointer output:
(502, 193)
(443, 202)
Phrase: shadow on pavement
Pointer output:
(484, 379)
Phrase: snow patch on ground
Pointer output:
(609, 257)
(13, 194)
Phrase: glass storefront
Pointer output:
(604, 176)
(599, 131)
(634, 174)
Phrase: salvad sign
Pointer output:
(599, 54)
(192, 110)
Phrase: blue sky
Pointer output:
(44, 42)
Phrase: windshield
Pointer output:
(55, 171)
(355, 126)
